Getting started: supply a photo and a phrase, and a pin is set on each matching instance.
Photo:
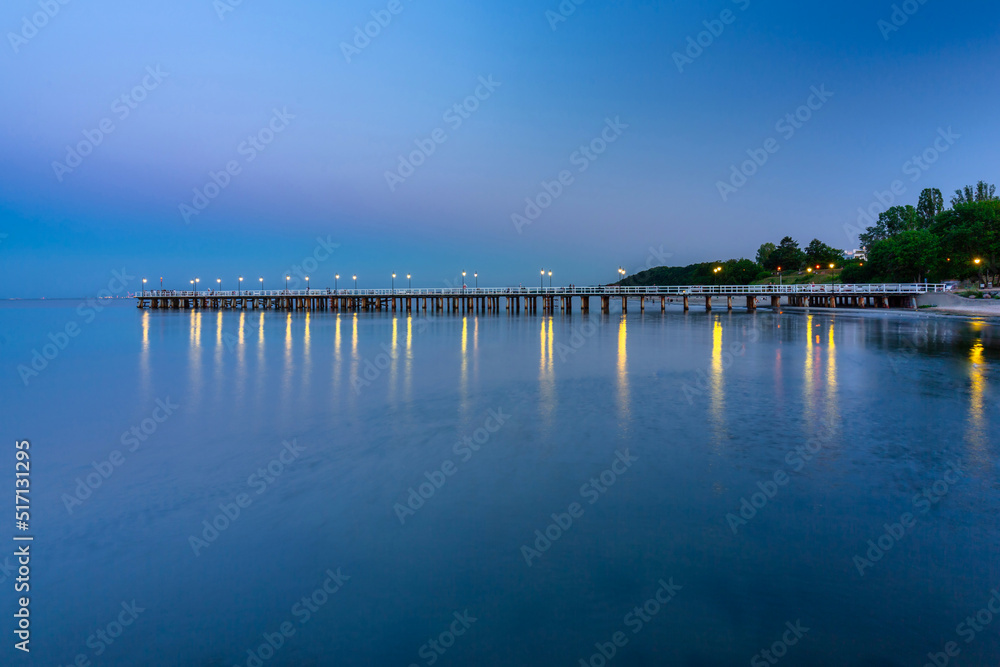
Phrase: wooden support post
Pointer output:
(708, 303)
(687, 306)
(729, 303)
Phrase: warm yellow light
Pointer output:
(143, 280)
(218, 280)
(977, 260)
(809, 270)
(307, 278)
(407, 276)
(394, 275)
(241, 278)
(288, 277)
(831, 266)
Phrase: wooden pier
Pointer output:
(514, 299)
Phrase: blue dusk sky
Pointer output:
(212, 139)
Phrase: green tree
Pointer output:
(971, 231)
(917, 252)
(857, 272)
(982, 191)
(764, 252)
(787, 255)
(931, 205)
(740, 272)
(896, 220)
(820, 253)
(909, 256)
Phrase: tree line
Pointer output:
(907, 244)
(931, 242)
(911, 243)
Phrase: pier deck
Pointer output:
(512, 299)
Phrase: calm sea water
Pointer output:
(733, 466)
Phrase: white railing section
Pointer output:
(686, 290)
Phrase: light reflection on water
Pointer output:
(144, 369)
(624, 397)
(717, 390)
(367, 444)
(546, 372)
(976, 432)
(408, 368)
(194, 358)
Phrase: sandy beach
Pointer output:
(951, 304)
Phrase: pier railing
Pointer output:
(609, 290)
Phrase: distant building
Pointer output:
(857, 254)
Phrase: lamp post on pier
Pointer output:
(307, 284)
(409, 284)
(239, 287)
(336, 281)
(261, 279)
(392, 285)
(196, 282)
(219, 281)
(144, 287)
(463, 282)
(550, 280)
(286, 284)
(355, 283)
(476, 274)
(541, 281)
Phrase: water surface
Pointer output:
(506, 421)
